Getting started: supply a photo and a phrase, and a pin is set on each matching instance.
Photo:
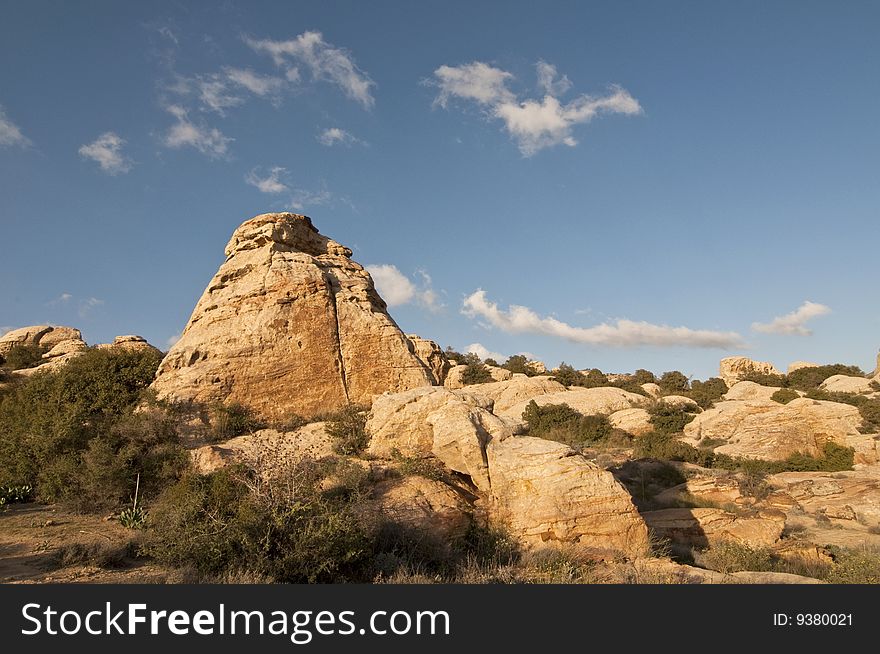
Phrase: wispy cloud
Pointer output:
(324, 62)
(397, 289)
(187, 133)
(106, 150)
(336, 136)
(269, 184)
(621, 333)
(301, 198)
(86, 306)
(534, 124)
(10, 134)
(794, 322)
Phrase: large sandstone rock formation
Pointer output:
(289, 324)
(710, 526)
(734, 369)
(432, 356)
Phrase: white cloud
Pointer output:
(261, 85)
(622, 333)
(794, 322)
(86, 306)
(106, 150)
(475, 81)
(324, 62)
(10, 134)
(533, 124)
(270, 184)
(185, 133)
(214, 94)
(171, 340)
(484, 353)
(336, 136)
(301, 198)
(397, 289)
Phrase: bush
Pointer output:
(673, 382)
(704, 393)
(766, 379)
(568, 376)
(642, 376)
(348, 429)
(806, 379)
(476, 373)
(870, 411)
(664, 446)
(559, 422)
(48, 422)
(784, 395)
(729, 556)
(24, 356)
(669, 419)
(519, 364)
(231, 420)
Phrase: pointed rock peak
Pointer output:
(291, 232)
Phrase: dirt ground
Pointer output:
(45, 544)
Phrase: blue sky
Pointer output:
(618, 185)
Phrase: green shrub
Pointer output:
(559, 422)
(664, 446)
(669, 419)
(784, 395)
(231, 420)
(805, 379)
(673, 382)
(475, 372)
(568, 376)
(48, 422)
(348, 429)
(766, 379)
(855, 566)
(518, 363)
(730, 556)
(870, 411)
(704, 393)
(642, 376)
(24, 356)
(595, 378)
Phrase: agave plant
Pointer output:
(134, 516)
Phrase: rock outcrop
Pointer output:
(769, 430)
(734, 369)
(432, 356)
(746, 390)
(707, 527)
(47, 336)
(289, 324)
(846, 384)
(454, 378)
(129, 342)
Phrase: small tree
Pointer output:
(568, 376)
(519, 364)
(348, 429)
(673, 382)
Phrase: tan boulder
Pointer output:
(846, 384)
(733, 369)
(547, 494)
(707, 527)
(634, 421)
(130, 342)
(264, 448)
(430, 354)
(746, 390)
(709, 486)
(680, 402)
(769, 430)
(518, 389)
(453, 378)
(603, 400)
(63, 348)
(428, 509)
(652, 389)
(47, 336)
(849, 495)
(536, 366)
(289, 324)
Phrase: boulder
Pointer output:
(64, 348)
(289, 324)
(846, 384)
(430, 354)
(769, 430)
(517, 390)
(547, 494)
(850, 495)
(130, 342)
(603, 400)
(707, 527)
(733, 369)
(652, 389)
(746, 390)
(426, 508)
(47, 336)
(453, 378)
(634, 421)
(680, 402)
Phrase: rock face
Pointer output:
(706, 527)
(768, 430)
(453, 379)
(432, 356)
(797, 365)
(546, 493)
(289, 324)
(746, 390)
(733, 369)
(128, 342)
(846, 384)
(41, 335)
